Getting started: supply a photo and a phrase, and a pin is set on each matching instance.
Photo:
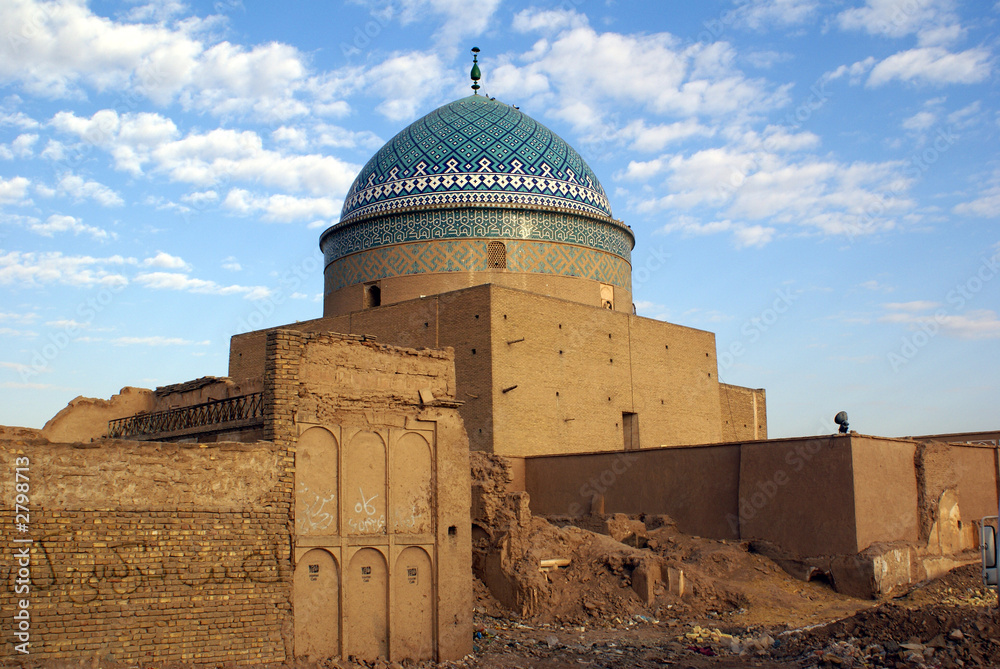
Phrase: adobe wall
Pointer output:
(744, 412)
(382, 529)
(798, 494)
(885, 490)
(976, 475)
(152, 552)
(696, 486)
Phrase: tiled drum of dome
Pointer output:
(476, 223)
(475, 150)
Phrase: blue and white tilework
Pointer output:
(475, 151)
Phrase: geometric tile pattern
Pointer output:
(478, 223)
(465, 255)
(475, 150)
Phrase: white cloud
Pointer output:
(57, 49)
(31, 270)
(201, 199)
(920, 121)
(281, 208)
(183, 282)
(552, 20)
(461, 18)
(753, 235)
(579, 75)
(933, 65)
(164, 260)
(892, 18)
(18, 120)
(655, 138)
(987, 205)
(22, 145)
(759, 14)
(406, 81)
(205, 159)
(14, 191)
(76, 187)
(639, 170)
(231, 264)
(750, 186)
(60, 223)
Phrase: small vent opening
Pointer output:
(496, 255)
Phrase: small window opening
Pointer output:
(496, 255)
(373, 296)
(452, 531)
(630, 430)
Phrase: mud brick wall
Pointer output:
(151, 552)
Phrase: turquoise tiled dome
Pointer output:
(479, 152)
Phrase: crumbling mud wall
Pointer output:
(86, 418)
(146, 552)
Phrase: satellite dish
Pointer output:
(841, 420)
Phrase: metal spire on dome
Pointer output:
(475, 74)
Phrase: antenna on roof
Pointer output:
(475, 74)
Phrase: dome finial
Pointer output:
(476, 74)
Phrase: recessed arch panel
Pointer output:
(316, 485)
(367, 605)
(413, 605)
(412, 485)
(364, 485)
(316, 601)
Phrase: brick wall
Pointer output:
(402, 288)
(153, 552)
(744, 412)
(571, 372)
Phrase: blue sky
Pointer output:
(816, 182)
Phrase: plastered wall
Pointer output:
(152, 552)
(697, 487)
(885, 490)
